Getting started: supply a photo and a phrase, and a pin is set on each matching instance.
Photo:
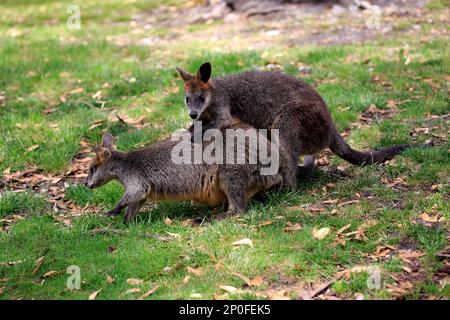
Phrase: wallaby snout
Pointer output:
(193, 114)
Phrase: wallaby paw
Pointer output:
(112, 213)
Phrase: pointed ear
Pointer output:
(108, 141)
(102, 154)
(204, 72)
(186, 76)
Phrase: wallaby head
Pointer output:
(197, 88)
(102, 167)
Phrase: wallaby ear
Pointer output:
(102, 154)
(108, 141)
(186, 76)
(204, 72)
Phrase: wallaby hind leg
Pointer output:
(302, 134)
(132, 210)
(306, 170)
(235, 193)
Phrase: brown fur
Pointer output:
(150, 174)
(267, 100)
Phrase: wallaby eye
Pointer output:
(201, 99)
(186, 98)
(91, 170)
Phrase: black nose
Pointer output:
(193, 114)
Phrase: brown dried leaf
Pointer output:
(51, 273)
(134, 281)
(33, 147)
(278, 295)
(94, 295)
(433, 218)
(230, 289)
(243, 242)
(196, 272)
(133, 290)
(343, 229)
(320, 233)
(292, 227)
(383, 251)
(256, 281)
(149, 292)
(38, 263)
(110, 279)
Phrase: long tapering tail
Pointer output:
(342, 149)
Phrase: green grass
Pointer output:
(25, 203)
(40, 66)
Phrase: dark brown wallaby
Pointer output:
(150, 174)
(267, 100)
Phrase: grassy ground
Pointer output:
(44, 116)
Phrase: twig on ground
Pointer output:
(97, 231)
(321, 289)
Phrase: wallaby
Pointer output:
(150, 174)
(267, 100)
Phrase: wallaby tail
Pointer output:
(342, 149)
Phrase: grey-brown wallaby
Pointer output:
(151, 174)
(267, 100)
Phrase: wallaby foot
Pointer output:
(132, 210)
(235, 193)
(307, 169)
(289, 174)
(112, 213)
(127, 200)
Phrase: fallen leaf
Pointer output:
(51, 274)
(168, 221)
(320, 233)
(242, 277)
(346, 273)
(431, 218)
(75, 91)
(33, 147)
(278, 295)
(224, 296)
(38, 263)
(383, 251)
(229, 289)
(343, 228)
(134, 281)
(196, 272)
(94, 295)
(256, 281)
(330, 201)
(133, 290)
(265, 223)
(110, 279)
(173, 235)
(407, 269)
(243, 242)
(347, 203)
(186, 279)
(292, 227)
(149, 292)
